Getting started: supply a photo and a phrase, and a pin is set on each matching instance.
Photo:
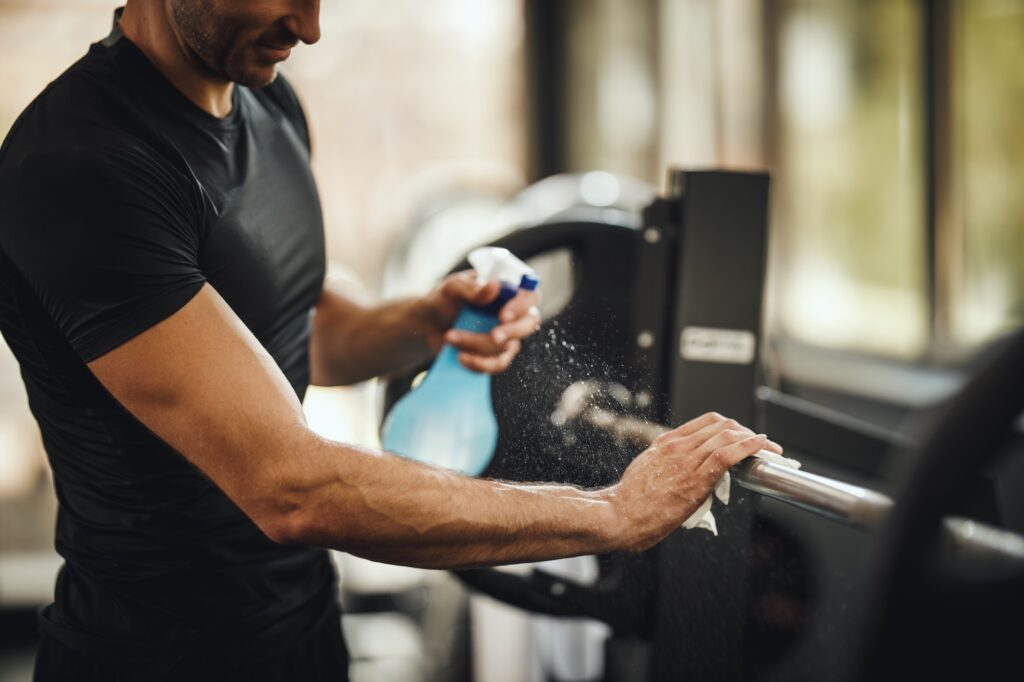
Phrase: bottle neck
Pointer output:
(476, 319)
(506, 294)
(471, 319)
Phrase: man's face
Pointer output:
(244, 40)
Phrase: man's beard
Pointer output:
(208, 35)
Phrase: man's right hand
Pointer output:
(666, 483)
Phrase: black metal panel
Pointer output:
(653, 284)
(841, 439)
(720, 247)
(722, 251)
(806, 581)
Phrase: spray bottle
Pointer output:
(447, 420)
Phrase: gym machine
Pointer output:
(881, 565)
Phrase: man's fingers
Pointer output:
(722, 439)
(709, 425)
(465, 287)
(520, 317)
(520, 306)
(518, 328)
(724, 458)
(491, 364)
(725, 432)
(473, 343)
(718, 434)
(461, 284)
(484, 293)
(693, 426)
(494, 342)
(694, 453)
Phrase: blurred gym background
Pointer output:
(893, 130)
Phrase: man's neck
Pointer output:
(151, 30)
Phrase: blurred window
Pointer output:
(986, 207)
(849, 209)
(610, 102)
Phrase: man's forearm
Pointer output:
(353, 343)
(394, 510)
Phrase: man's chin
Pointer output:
(259, 77)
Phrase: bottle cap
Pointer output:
(494, 263)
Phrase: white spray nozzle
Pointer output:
(495, 264)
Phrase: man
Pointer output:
(161, 252)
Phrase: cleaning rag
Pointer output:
(703, 518)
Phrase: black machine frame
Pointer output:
(671, 312)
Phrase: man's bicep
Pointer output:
(202, 383)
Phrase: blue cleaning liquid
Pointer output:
(448, 420)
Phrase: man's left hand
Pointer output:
(492, 352)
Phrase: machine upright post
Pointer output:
(719, 288)
(718, 284)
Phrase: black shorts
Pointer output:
(319, 657)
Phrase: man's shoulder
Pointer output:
(87, 84)
(76, 147)
(74, 151)
(86, 104)
(84, 126)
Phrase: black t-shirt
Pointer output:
(119, 199)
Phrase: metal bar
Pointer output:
(982, 551)
(828, 497)
(835, 499)
(970, 542)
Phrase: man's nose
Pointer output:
(304, 21)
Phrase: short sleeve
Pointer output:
(107, 240)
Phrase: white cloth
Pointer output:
(703, 518)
